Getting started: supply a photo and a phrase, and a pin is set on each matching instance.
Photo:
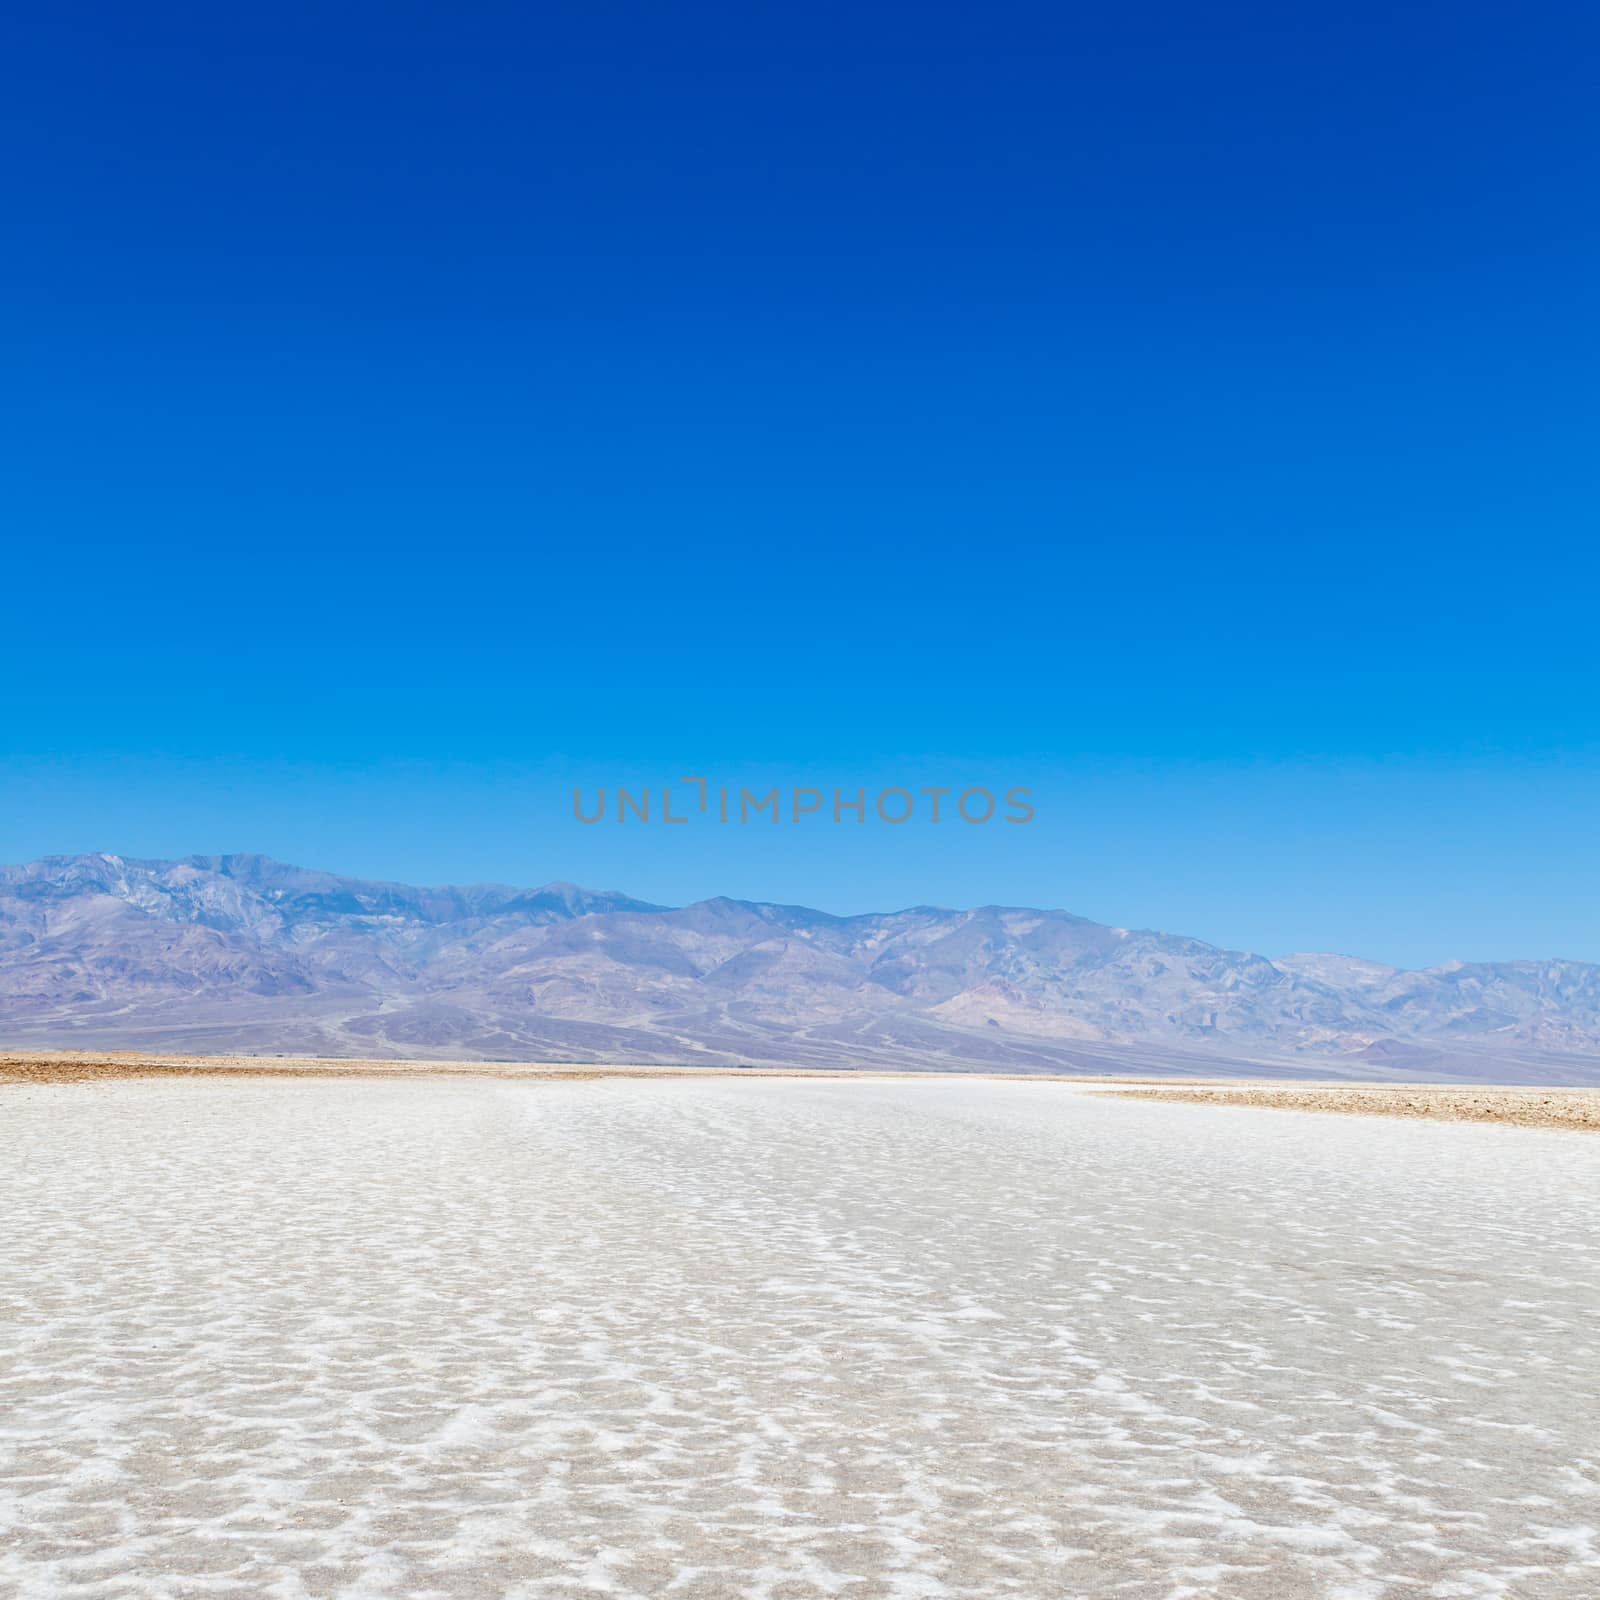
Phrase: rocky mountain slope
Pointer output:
(242, 952)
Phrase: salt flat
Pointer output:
(787, 1338)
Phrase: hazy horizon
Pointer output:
(850, 872)
(508, 881)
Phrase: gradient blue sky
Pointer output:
(1190, 412)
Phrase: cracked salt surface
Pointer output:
(784, 1339)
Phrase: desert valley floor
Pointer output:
(785, 1338)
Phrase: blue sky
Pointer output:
(1190, 413)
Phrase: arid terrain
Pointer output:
(1518, 1107)
(379, 1331)
(212, 954)
(1508, 1103)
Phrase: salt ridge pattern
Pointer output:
(787, 1339)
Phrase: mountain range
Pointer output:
(243, 953)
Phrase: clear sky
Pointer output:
(1189, 412)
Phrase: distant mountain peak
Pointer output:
(244, 951)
